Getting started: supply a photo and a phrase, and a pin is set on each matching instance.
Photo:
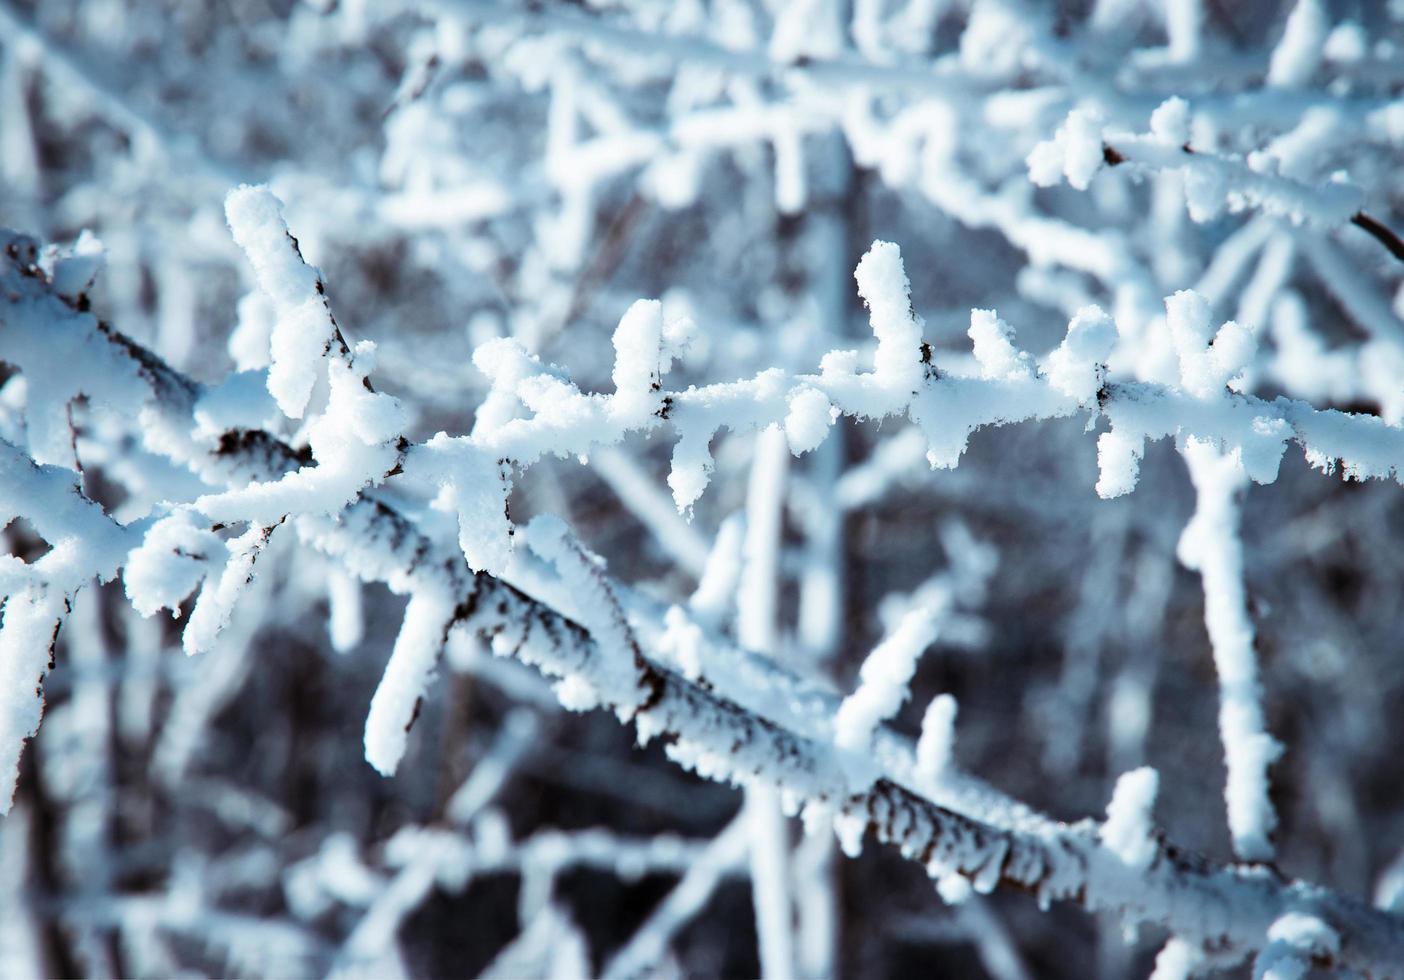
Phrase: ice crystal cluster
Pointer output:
(797, 488)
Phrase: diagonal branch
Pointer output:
(1273, 191)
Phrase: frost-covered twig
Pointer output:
(757, 613)
(1211, 181)
(1212, 546)
(725, 853)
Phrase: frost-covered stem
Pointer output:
(999, 952)
(820, 625)
(426, 857)
(516, 738)
(1184, 21)
(886, 675)
(89, 800)
(638, 491)
(757, 598)
(648, 943)
(1325, 205)
(20, 166)
(1212, 544)
(817, 904)
(937, 742)
(820, 617)
(222, 674)
(21, 938)
(756, 625)
(136, 697)
(1341, 275)
(28, 634)
(395, 706)
(1086, 637)
(1129, 704)
(401, 896)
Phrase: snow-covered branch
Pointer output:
(728, 713)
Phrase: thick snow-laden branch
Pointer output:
(646, 119)
(352, 440)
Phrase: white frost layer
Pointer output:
(354, 443)
(1129, 824)
(1213, 183)
(396, 700)
(937, 742)
(1074, 152)
(85, 544)
(1202, 406)
(1205, 370)
(885, 678)
(1177, 960)
(582, 578)
(638, 362)
(1170, 122)
(1077, 367)
(1295, 940)
(808, 420)
(303, 330)
(27, 633)
(883, 285)
(1307, 933)
(346, 625)
(215, 605)
(474, 487)
(1184, 27)
(993, 344)
(171, 561)
(716, 592)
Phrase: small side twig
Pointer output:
(1380, 233)
(1372, 226)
